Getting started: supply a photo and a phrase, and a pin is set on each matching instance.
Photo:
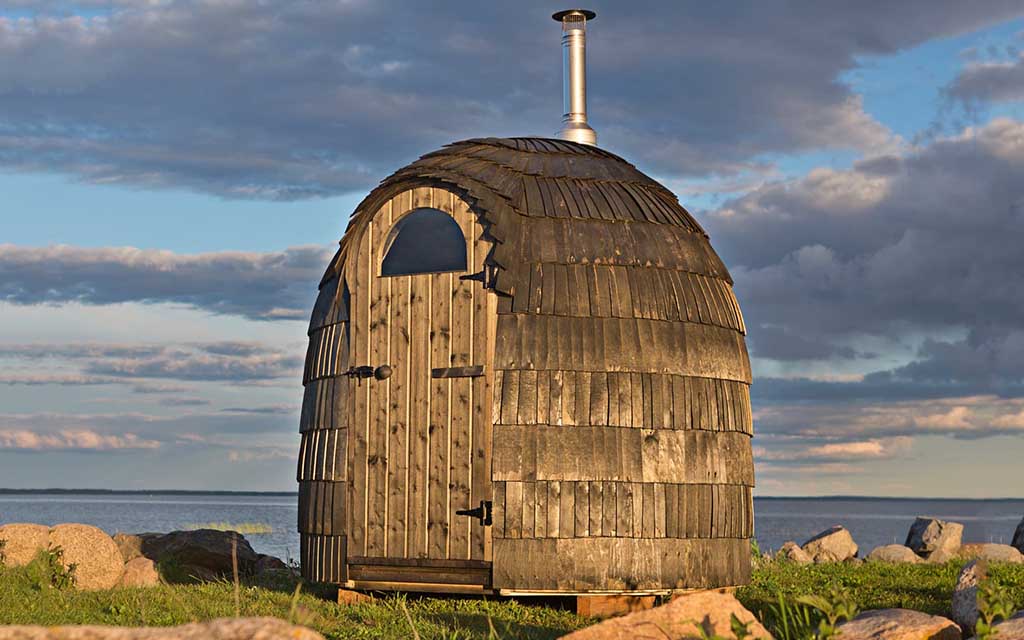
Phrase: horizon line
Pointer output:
(245, 492)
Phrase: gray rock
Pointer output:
(991, 553)
(130, 545)
(792, 552)
(832, 545)
(1018, 537)
(140, 572)
(1012, 629)
(221, 629)
(898, 624)
(935, 540)
(894, 553)
(203, 554)
(965, 595)
(265, 564)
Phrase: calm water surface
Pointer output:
(872, 522)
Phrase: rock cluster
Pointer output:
(1018, 537)
(102, 562)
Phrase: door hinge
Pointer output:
(483, 512)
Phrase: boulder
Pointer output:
(792, 552)
(203, 554)
(97, 560)
(1012, 629)
(21, 542)
(221, 629)
(1018, 537)
(893, 553)
(899, 624)
(991, 553)
(689, 616)
(965, 595)
(935, 540)
(130, 545)
(140, 572)
(269, 564)
(832, 545)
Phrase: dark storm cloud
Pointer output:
(261, 286)
(993, 81)
(294, 100)
(897, 248)
(778, 343)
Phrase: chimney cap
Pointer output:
(587, 13)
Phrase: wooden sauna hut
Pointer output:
(526, 374)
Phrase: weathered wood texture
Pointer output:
(626, 564)
(620, 456)
(322, 450)
(411, 460)
(582, 508)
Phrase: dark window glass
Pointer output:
(424, 241)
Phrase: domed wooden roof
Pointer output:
(546, 200)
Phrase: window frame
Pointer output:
(396, 230)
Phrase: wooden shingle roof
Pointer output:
(553, 201)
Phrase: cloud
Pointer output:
(835, 452)
(180, 364)
(184, 401)
(303, 100)
(283, 409)
(917, 252)
(278, 285)
(71, 440)
(101, 363)
(855, 421)
(989, 81)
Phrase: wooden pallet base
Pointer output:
(611, 606)
(347, 596)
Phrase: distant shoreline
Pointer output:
(292, 494)
(146, 492)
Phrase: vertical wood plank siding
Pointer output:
(416, 444)
(612, 426)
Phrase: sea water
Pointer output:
(872, 521)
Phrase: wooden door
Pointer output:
(419, 444)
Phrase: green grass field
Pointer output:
(28, 597)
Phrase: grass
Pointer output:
(246, 528)
(28, 596)
(922, 587)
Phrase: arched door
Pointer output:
(419, 439)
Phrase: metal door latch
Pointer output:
(383, 372)
(483, 512)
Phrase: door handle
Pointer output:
(383, 372)
(483, 512)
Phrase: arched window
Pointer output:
(424, 241)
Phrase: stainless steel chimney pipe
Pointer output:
(574, 76)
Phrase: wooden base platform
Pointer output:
(611, 606)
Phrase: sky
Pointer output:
(175, 176)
